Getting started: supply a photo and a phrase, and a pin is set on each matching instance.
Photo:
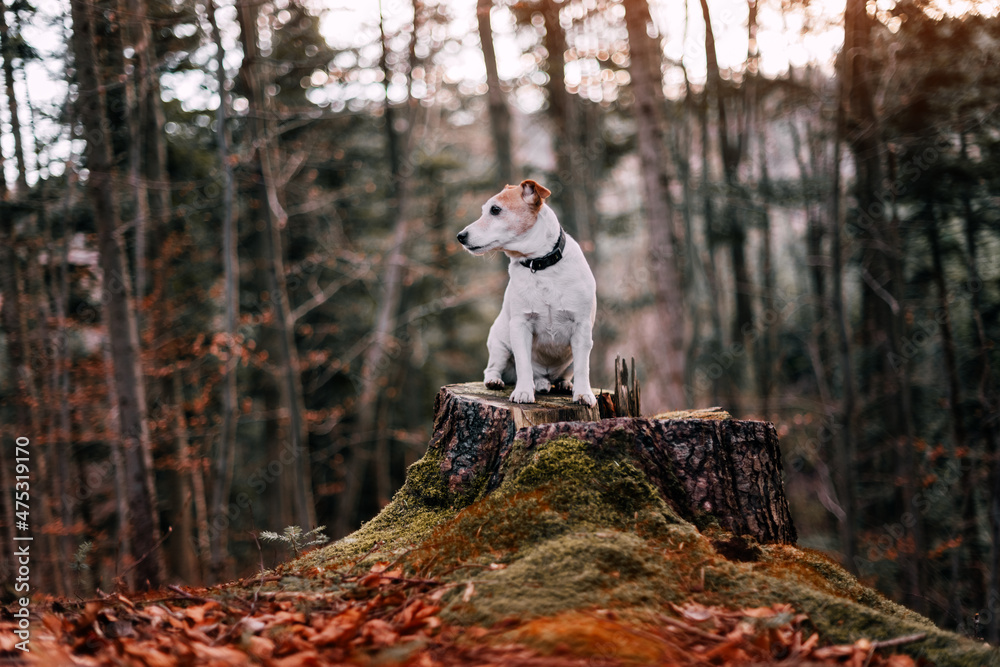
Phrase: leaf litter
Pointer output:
(392, 619)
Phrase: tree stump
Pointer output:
(725, 469)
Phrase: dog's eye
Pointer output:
(495, 210)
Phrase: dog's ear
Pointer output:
(533, 193)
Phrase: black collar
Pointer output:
(544, 262)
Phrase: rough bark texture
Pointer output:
(725, 469)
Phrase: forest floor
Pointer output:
(383, 617)
(574, 560)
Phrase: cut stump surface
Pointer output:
(725, 469)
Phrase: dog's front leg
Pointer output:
(582, 342)
(500, 353)
(520, 344)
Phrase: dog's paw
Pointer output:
(563, 386)
(585, 398)
(522, 396)
(542, 385)
(494, 383)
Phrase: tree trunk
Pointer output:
(118, 311)
(183, 546)
(706, 469)
(987, 404)
(571, 192)
(373, 446)
(226, 451)
(844, 456)
(499, 113)
(959, 445)
(647, 87)
(732, 147)
(136, 89)
(768, 343)
(7, 51)
(298, 476)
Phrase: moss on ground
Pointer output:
(574, 527)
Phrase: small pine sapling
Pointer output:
(296, 540)
(81, 566)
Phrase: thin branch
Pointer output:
(881, 291)
(322, 296)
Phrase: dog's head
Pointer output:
(507, 216)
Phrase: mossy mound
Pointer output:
(573, 528)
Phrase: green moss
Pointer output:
(601, 487)
(423, 503)
(842, 611)
(574, 527)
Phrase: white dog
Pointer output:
(545, 326)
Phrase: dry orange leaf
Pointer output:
(339, 628)
(148, 655)
(378, 633)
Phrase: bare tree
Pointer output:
(645, 56)
(226, 456)
(732, 124)
(372, 444)
(287, 369)
(499, 113)
(119, 310)
(572, 190)
(7, 50)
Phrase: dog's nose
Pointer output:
(463, 237)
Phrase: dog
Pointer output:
(544, 333)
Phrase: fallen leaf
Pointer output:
(148, 656)
(308, 658)
(224, 654)
(260, 647)
(809, 644)
(340, 627)
(378, 633)
(199, 612)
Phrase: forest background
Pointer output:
(230, 285)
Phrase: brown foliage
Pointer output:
(384, 617)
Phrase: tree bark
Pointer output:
(647, 87)
(724, 469)
(119, 311)
(499, 113)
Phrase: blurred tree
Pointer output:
(293, 428)
(372, 436)
(11, 47)
(733, 109)
(225, 458)
(120, 316)
(645, 54)
(499, 113)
